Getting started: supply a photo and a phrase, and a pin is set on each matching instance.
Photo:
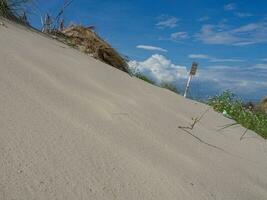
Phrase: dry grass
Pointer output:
(87, 41)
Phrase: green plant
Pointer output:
(136, 72)
(228, 103)
(169, 86)
(144, 78)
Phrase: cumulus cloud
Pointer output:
(167, 22)
(252, 33)
(229, 7)
(247, 81)
(179, 35)
(159, 68)
(151, 48)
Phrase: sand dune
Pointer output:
(72, 127)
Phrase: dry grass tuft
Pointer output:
(86, 40)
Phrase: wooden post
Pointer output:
(193, 72)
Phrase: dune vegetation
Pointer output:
(89, 42)
(164, 84)
(250, 118)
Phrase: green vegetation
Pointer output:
(164, 84)
(227, 103)
(169, 86)
(135, 72)
(144, 78)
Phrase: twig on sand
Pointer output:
(195, 121)
(202, 141)
(228, 125)
(243, 134)
(234, 124)
(191, 127)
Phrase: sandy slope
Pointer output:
(72, 127)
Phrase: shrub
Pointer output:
(144, 78)
(163, 84)
(169, 86)
(253, 120)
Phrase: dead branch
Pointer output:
(243, 134)
(61, 12)
(234, 124)
(191, 127)
(195, 121)
(202, 141)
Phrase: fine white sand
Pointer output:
(72, 127)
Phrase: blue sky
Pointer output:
(163, 37)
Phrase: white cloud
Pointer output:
(249, 28)
(226, 60)
(204, 18)
(252, 33)
(229, 7)
(264, 59)
(213, 59)
(209, 36)
(159, 69)
(243, 15)
(198, 56)
(151, 48)
(241, 80)
(179, 35)
(260, 66)
(167, 22)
